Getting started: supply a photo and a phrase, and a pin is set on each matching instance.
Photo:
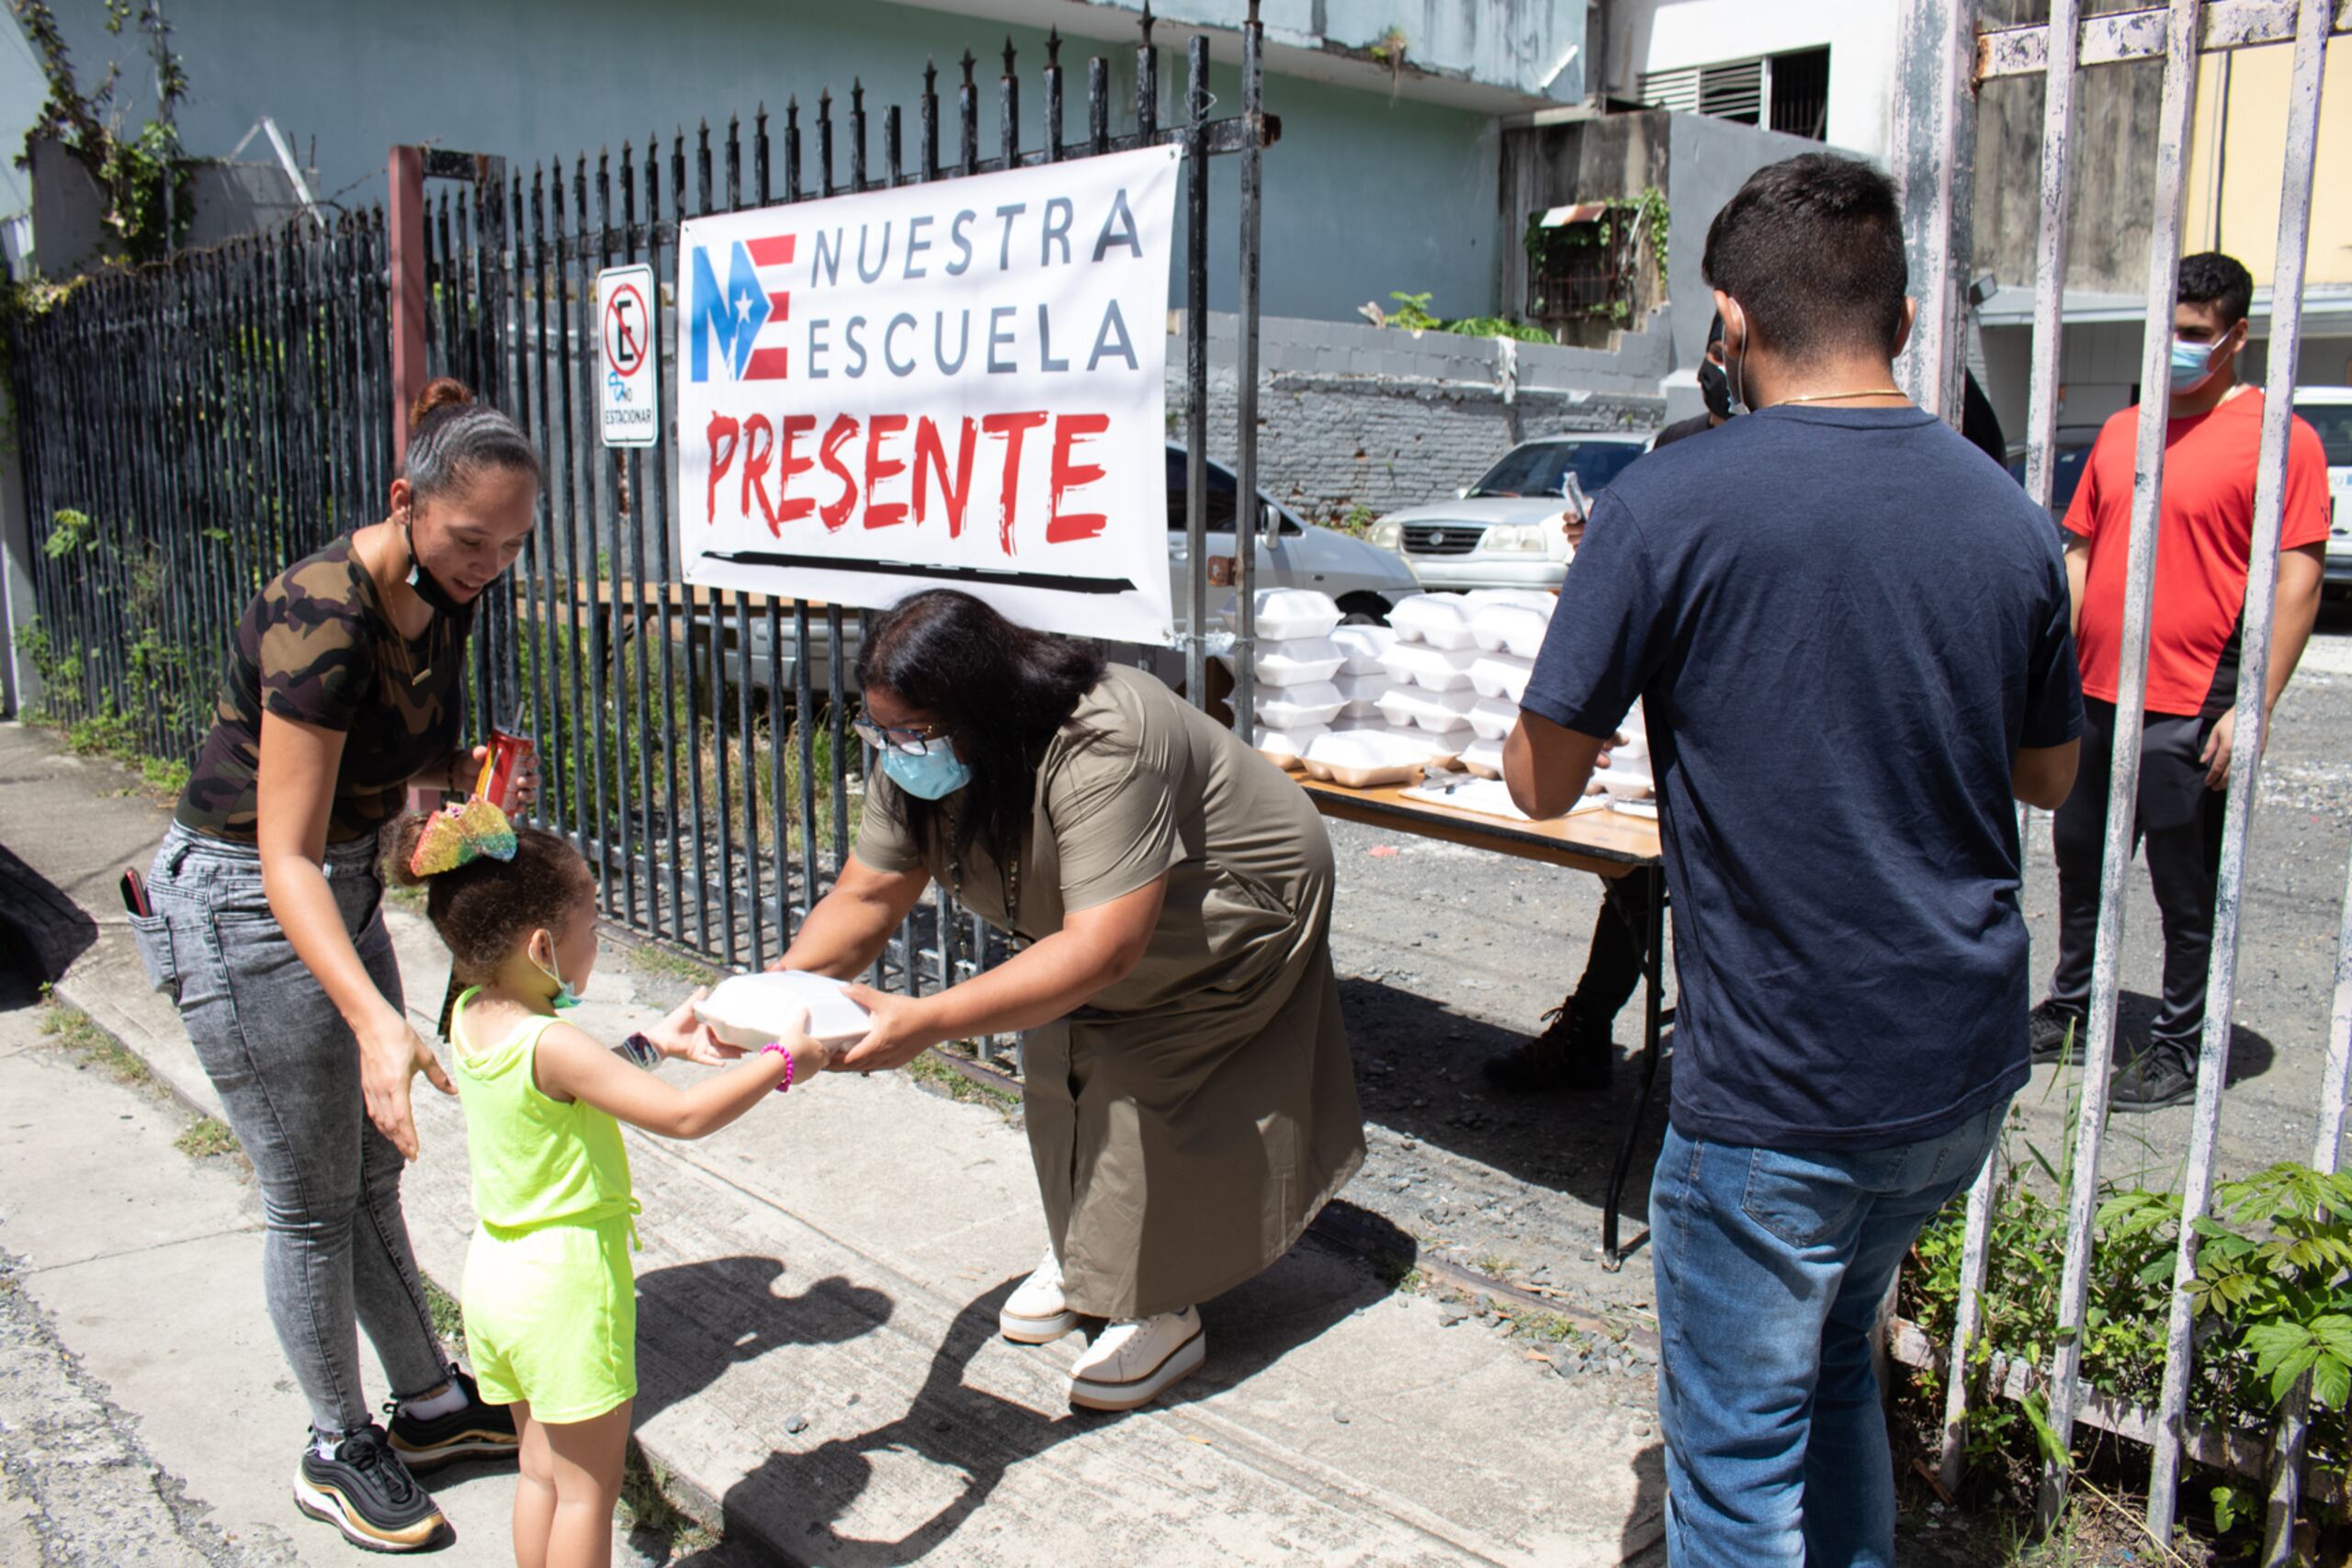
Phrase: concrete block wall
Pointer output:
(1369, 416)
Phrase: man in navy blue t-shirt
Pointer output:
(1850, 632)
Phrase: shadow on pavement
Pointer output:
(711, 1315)
(1418, 1073)
(973, 1437)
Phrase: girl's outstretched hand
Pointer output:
(683, 1037)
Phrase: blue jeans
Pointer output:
(335, 1255)
(1770, 1266)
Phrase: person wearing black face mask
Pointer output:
(1715, 386)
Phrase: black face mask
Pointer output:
(1715, 387)
(429, 587)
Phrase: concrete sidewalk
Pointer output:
(818, 1292)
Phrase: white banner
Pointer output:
(959, 384)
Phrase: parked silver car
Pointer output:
(1503, 532)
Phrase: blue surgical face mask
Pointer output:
(565, 997)
(933, 774)
(2192, 365)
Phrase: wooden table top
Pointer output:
(1606, 843)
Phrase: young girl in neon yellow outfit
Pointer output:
(550, 1295)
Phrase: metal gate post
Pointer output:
(1247, 526)
(2183, 23)
(404, 227)
(1935, 128)
(2245, 758)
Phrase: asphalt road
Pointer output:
(1447, 954)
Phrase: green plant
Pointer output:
(69, 531)
(1388, 49)
(141, 177)
(933, 1071)
(448, 1316)
(2271, 1300)
(205, 1137)
(74, 1030)
(1413, 315)
(1635, 228)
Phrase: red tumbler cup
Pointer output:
(508, 755)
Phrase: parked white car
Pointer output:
(2329, 410)
(1503, 532)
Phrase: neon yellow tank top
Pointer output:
(536, 1161)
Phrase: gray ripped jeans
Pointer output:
(335, 1255)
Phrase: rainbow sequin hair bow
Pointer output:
(458, 835)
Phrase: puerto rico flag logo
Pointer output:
(730, 319)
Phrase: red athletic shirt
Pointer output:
(2204, 537)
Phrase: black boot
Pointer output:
(1569, 1055)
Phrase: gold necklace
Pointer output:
(1826, 397)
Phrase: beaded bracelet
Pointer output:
(776, 1047)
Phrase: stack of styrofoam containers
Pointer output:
(1428, 697)
(1295, 663)
(1508, 629)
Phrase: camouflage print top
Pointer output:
(316, 645)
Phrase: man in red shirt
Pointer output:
(2205, 533)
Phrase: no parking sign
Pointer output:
(629, 367)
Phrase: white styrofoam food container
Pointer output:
(1500, 675)
(1287, 612)
(749, 1011)
(1363, 759)
(1361, 646)
(1493, 719)
(1441, 620)
(1431, 668)
(1281, 746)
(1287, 707)
(1535, 599)
(1363, 692)
(1296, 662)
(1438, 712)
(1509, 628)
(1484, 758)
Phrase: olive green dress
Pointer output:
(1189, 1122)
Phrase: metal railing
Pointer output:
(225, 415)
(185, 432)
(1943, 60)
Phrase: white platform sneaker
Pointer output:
(1035, 1312)
(1132, 1363)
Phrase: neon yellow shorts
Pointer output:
(551, 1318)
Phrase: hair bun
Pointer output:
(441, 392)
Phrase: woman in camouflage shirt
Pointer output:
(345, 686)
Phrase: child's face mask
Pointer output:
(567, 995)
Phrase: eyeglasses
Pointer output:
(908, 741)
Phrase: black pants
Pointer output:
(1612, 971)
(2180, 826)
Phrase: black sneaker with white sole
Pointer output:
(367, 1493)
(473, 1430)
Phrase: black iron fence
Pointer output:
(189, 431)
(185, 432)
